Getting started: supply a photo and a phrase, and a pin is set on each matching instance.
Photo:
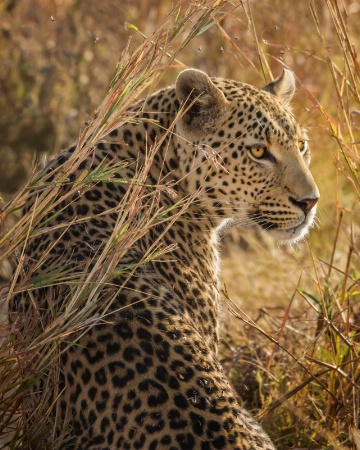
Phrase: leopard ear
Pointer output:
(199, 96)
(283, 86)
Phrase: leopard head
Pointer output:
(244, 154)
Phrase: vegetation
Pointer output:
(291, 334)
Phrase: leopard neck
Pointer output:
(190, 272)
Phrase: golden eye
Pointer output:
(258, 152)
(302, 146)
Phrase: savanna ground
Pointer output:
(292, 321)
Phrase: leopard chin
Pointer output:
(293, 234)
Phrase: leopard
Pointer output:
(149, 376)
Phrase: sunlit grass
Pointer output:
(309, 370)
(29, 358)
(291, 342)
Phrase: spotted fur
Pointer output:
(149, 377)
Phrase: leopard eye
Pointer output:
(302, 146)
(258, 152)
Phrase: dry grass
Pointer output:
(29, 356)
(292, 329)
(309, 377)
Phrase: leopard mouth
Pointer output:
(263, 223)
(291, 234)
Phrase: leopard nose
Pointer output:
(305, 204)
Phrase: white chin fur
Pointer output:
(289, 236)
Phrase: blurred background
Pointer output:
(57, 58)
